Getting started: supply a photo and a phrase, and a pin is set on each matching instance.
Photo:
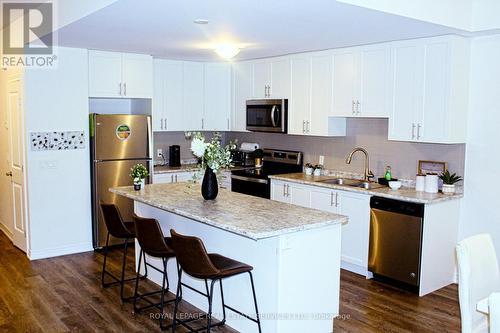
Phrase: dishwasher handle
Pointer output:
(397, 206)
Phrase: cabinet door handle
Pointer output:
(413, 131)
(287, 190)
(120, 92)
(165, 123)
(227, 123)
(202, 123)
(303, 126)
(331, 199)
(418, 131)
(161, 120)
(307, 126)
(176, 178)
(352, 107)
(171, 178)
(284, 190)
(125, 89)
(336, 199)
(357, 107)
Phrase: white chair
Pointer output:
(494, 304)
(478, 277)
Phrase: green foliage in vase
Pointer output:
(450, 179)
(138, 172)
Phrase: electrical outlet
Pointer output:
(159, 152)
(321, 160)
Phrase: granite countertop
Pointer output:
(404, 193)
(248, 216)
(159, 169)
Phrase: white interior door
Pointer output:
(16, 161)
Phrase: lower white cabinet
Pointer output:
(174, 177)
(356, 206)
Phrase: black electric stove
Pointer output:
(256, 181)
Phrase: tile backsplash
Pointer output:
(370, 134)
(57, 140)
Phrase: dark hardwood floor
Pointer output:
(64, 295)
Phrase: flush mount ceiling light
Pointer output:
(227, 51)
(200, 21)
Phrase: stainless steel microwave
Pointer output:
(267, 115)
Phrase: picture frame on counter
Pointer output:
(431, 167)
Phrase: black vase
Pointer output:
(209, 187)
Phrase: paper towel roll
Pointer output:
(249, 146)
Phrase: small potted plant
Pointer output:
(449, 181)
(309, 169)
(139, 173)
(317, 170)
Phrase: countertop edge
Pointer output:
(397, 195)
(260, 236)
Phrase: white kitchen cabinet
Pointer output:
(120, 75)
(360, 81)
(311, 97)
(193, 95)
(299, 106)
(280, 84)
(168, 95)
(429, 98)
(172, 177)
(261, 78)
(271, 78)
(356, 206)
(325, 199)
(355, 234)
(137, 75)
(216, 116)
(242, 90)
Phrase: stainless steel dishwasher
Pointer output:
(396, 241)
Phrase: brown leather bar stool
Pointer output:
(154, 244)
(118, 229)
(196, 262)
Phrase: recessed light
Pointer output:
(200, 21)
(227, 51)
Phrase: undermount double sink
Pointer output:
(367, 185)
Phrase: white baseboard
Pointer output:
(6, 231)
(59, 251)
(355, 268)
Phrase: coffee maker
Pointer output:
(174, 156)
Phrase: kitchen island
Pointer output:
(295, 253)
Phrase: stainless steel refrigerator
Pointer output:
(118, 142)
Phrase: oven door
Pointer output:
(267, 115)
(252, 186)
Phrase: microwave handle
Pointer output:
(273, 112)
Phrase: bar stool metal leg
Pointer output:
(104, 262)
(124, 263)
(223, 304)
(255, 302)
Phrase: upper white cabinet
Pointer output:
(271, 78)
(429, 84)
(242, 89)
(193, 89)
(361, 81)
(310, 104)
(191, 96)
(168, 96)
(216, 115)
(120, 75)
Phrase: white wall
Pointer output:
(59, 195)
(480, 207)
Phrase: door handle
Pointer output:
(8, 174)
(352, 107)
(331, 198)
(176, 178)
(307, 126)
(120, 91)
(161, 123)
(418, 131)
(336, 199)
(125, 89)
(357, 107)
(273, 111)
(413, 131)
(284, 190)
(287, 190)
(303, 126)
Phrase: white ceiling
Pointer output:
(165, 28)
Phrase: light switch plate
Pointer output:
(159, 152)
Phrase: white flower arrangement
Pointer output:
(211, 154)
